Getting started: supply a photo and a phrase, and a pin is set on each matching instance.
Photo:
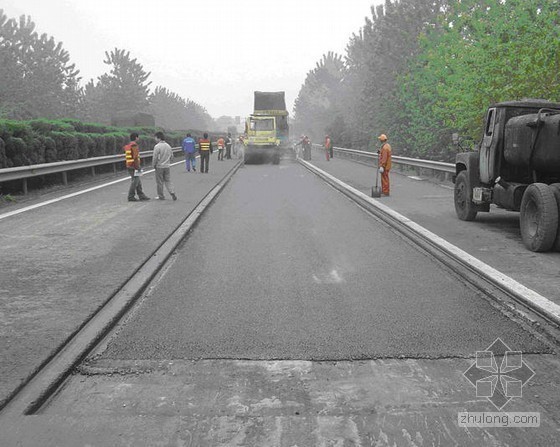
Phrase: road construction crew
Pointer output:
(132, 158)
(384, 163)
(204, 149)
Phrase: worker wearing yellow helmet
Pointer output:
(384, 164)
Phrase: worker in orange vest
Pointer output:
(221, 147)
(204, 149)
(384, 164)
(132, 159)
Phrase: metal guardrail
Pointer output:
(405, 161)
(25, 172)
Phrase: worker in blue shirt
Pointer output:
(189, 148)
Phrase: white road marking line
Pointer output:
(68, 196)
(413, 177)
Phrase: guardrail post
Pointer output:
(93, 171)
(64, 178)
(114, 168)
(24, 186)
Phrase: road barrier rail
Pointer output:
(448, 169)
(62, 167)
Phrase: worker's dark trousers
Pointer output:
(135, 185)
(204, 161)
(228, 151)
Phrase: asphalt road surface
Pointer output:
(284, 267)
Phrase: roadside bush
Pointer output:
(3, 158)
(16, 129)
(15, 151)
(86, 145)
(36, 151)
(66, 145)
(110, 144)
(99, 146)
(51, 154)
(46, 141)
(44, 126)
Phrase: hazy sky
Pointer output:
(215, 52)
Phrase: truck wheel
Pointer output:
(556, 190)
(464, 207)
(276, 159)
(539, 217)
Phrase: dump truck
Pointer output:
(517, 168)
(266, 129)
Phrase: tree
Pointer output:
(175, 113)
(124, 89)
(482, 52)
(37, 77)
(375, 59)
(316, 106)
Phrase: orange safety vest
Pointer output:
(131, 155)
(327, 143)
(204, 145)
(221, 143)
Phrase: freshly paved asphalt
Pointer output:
(284, 267)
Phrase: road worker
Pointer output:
(384, 163)
(221, 143)
(328, 147)
(189, 148)
(162, 158)
(132, 158)
(229, 144)
(305, 144)
(204, 149)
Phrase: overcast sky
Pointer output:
(215, 52)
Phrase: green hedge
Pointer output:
(46, 141)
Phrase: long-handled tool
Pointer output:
(375, 191)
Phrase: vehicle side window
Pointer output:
(490, 122)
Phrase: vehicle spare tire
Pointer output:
(538, 217)
(464, 206)
(556, 190)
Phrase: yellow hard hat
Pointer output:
(382, 137)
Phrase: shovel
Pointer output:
(375, 191)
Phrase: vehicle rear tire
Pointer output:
(556, 191)
(464, 207)
(538, 217)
